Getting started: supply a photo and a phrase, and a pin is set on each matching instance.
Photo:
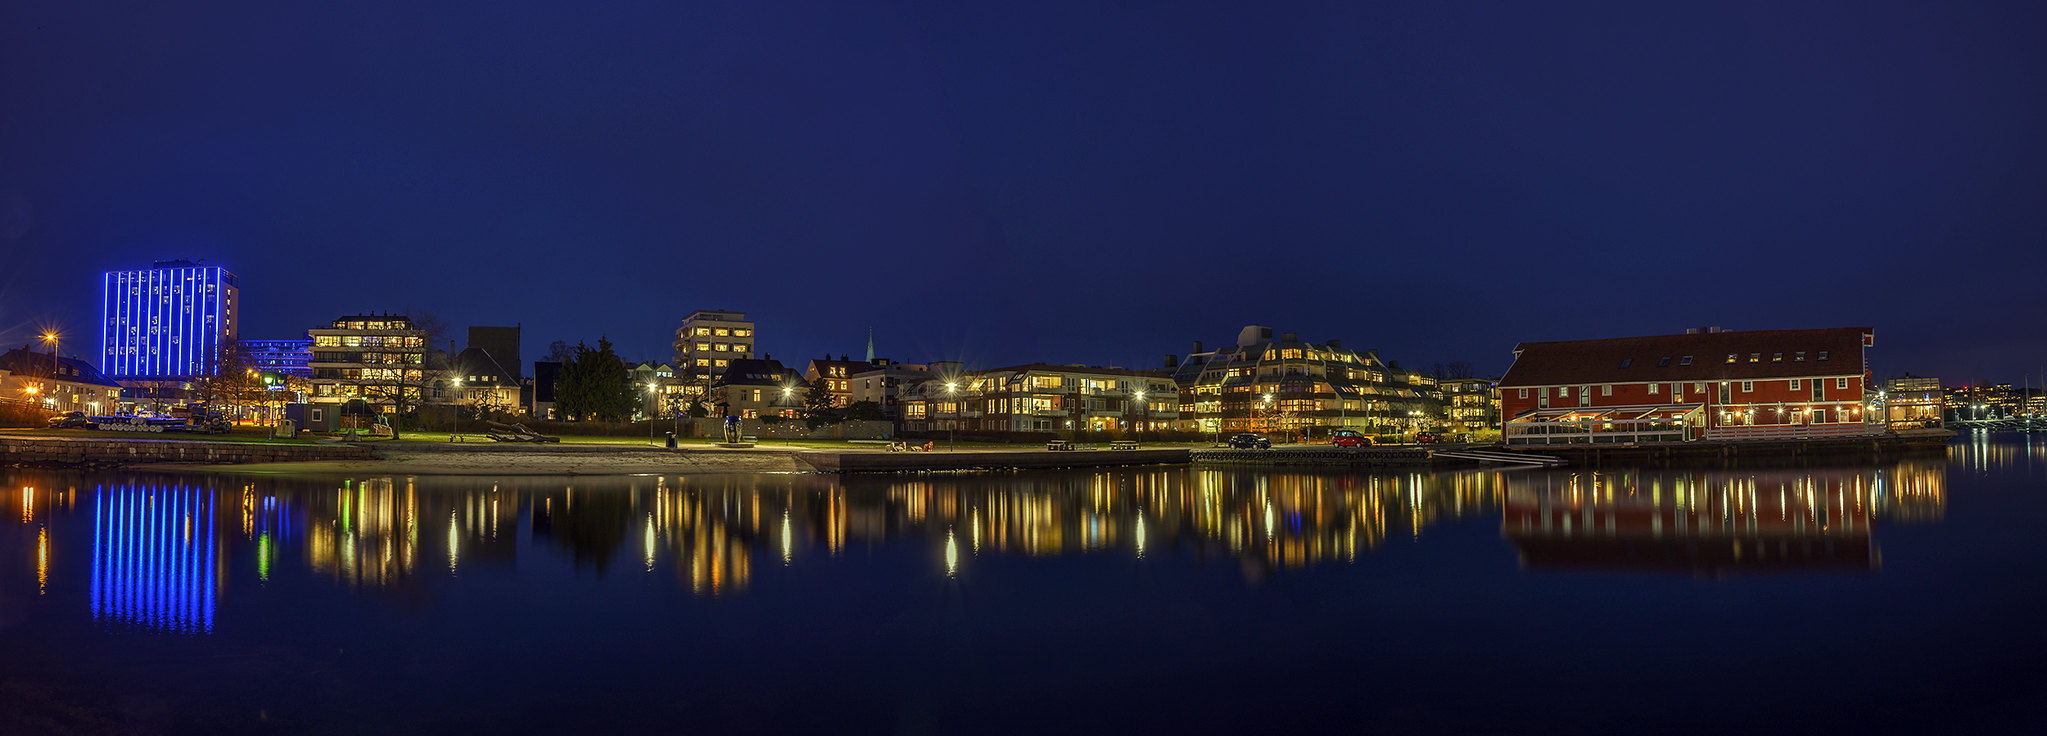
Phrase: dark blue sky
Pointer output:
(1084, 182)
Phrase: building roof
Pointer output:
(759, 372)
(1663, 357)
(1086, 369)
(27, 363)
(478, 362)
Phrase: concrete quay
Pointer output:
(94, 452)
(1883, 447)
(1403, 456)
(870, 461)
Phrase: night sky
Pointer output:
(1064, 182)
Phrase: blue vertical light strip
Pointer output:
(206, 594)
(105, 357)
(99, 546)
(149, 330)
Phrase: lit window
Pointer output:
(1652, 387)
(1798, 357)
(1823, 355)
(1776, 357)
(1755, 357)
(1731, 357)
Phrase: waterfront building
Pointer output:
(378, 358)
(166, 322)
(752, 388)
(1300, 388)
(476, 378)
(708, 341)
(1041, 397)
(54, 383)
(1710, 384)
(280, 357)
(837, 376)
(540, 398)
(1471, 406)
(887, 383)
(1912, 401)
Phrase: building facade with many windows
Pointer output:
(1709, 384)
(166, 322)
(381, 359)
(1291, 387)
(1041, 397)
(709, 340)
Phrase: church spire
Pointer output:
(870, 344)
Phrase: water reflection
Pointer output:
(153, 556)
(162, 548)
(1714, 522)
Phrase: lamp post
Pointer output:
(651, 406)
(456, 436)
(951, 395)
(1142, 415)
(787, 391)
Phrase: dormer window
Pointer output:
(1625, 362)
(1823, 355)
(1798, 357)
(1664, 362)
(1755, 357)
(1731, 357)
(1687, 360)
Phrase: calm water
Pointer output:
(1901, 596)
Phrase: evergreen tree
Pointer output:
(595, 384)
(818, 408)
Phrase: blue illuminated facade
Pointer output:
(167, 322)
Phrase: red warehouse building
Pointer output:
(1708, 384)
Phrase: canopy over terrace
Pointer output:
(1607, 425)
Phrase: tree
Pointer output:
(819, 408)
(560, 352)
(864, 411)
(595, 384)
(697, 408)
(235, 383)
(400, 375)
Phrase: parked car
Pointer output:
(1427, 438)
(70, 420)
(1349, 438)
(1248, 441)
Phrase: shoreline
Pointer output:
(498, 460)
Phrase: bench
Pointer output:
(1123, 445)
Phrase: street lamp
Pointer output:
(787, 391)
(951, 394)
(650, 413)
(456, 437)
(1143, 416)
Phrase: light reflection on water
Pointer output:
(440, 595)
(155, 542)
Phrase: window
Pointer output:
(742, 333)
(1798, 357)
(1687, 360)
(1563, 392)
(1606, 389)
(721, 332)
(1755, 357)
(1652, 388)
(1698, 388)
(1625, 362)
(1748, 386)
(1724, 398)
(1776, 357)
(1841, 383)
(1524, 393)
(1823, 355)
(1794, 384)
(1731, 357)
(1664, 363)
(704, 331)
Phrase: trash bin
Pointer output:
(285, 429)
(671, 440)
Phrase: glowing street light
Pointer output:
(456, 437)
(951, 392)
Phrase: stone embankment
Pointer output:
(83, 452)
(1323, 455)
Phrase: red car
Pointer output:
(1427, 438)
(1349, 438)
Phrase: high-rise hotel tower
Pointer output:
(166, 322)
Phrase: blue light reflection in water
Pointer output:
(153, 550)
